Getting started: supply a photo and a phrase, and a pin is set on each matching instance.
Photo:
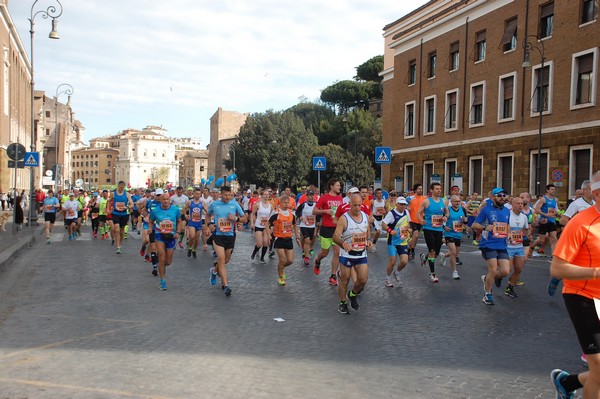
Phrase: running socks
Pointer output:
(431, 262)
(154, 257)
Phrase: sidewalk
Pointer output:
(11, 246)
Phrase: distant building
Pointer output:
(188, 143)
(94, 166)
(193, 167)
(224, 128)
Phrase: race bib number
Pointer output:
(309, 220)
(264, 220)
(380, 211)
(94, 215)
(196, 215)
(404, 232)
(551, 212)
(437, 220)
(359, 241)
(515, 237)
(71, 213)
(500, 230)
(225, 225)
(166, 226)
(286, 227)
(457, 226)
(120, 206)
(49, 208)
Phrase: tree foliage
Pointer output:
(344, 165)
(347, 94)
(369, 70)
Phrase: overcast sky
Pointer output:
(172, 63)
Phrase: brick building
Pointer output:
(95, 166)
(224, 128)
(458, 99)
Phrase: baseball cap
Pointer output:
(71, 194)
(159, 191)
(249, 191)
(96, 194)
(401, 200)
(498, 190)
(353, 190)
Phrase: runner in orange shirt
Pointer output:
(576, 259)
(414, 203)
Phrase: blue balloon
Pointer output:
(233, 176)
(202, 181)
(211, 178)
(229, 178)
(219, 182)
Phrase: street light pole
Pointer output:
(540, 103)
(68, 90)
(52, 12)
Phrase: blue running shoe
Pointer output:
(552, 286)
(163, 284)
(488, 299)
(213, 276)
(227, 290)
(70, 237)
(561, 393)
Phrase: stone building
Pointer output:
(461, 106)
(95, 166)
(193, 167)
(224, 128)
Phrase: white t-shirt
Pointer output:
(179, 201)
(71, 208)
(577, 206)
(516, 223)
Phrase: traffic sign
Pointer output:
(558, 175)
(15, 151)
(319, 163)
(383, 155)
(32, 159)
(20, 165)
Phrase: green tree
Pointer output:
(347, 94)
(274, 148)
(344, 165)
(369, 70)
(321, 120)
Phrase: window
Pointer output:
(546, 20)
(589, 11)
(449, 171)
(432, 65)
(509, 38)
(580, 166)
(454, 56)
(506, 95)
(543, 170)
(475, 174)
(409, 176)
(427, 173)
(109, 163)
(47, 132)
(429, 117)
(505, 172)
(47, 114)
(409, 119)
(477, 104)
(108, 156)
(480, 46)
(412, 72)
(108, 180)
(450, 121)
(583, 79)
(541, 87)
(201, 168)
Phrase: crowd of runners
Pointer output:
(508, 229)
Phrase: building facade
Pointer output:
(193, 167)
(224, 128)
(94, 167)
(461, 106)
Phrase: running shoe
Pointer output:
(189, 254)
(333, 280)
(213, 276)
(520, 283)
(180, 244)
(227, 290)
(373, 249)
(281, 280)
(102, 236)
(94, 235)
(263, 261)
(147, 258)
(70, 237)
(388, 282)
(317, 268)
(272, 254)
(444, 260)
(423, 259)
(205, 248)
(306, 260)
(142, 252)
(411, 255)
(510, 291)
(584, 358)
(138, 231)
(155, 270)
(75, 236)
(552, 286)
(343, 308)
(194, 254)
(458, 261)
(253, 256)
(561, 393)
(455, 275)
(475, 243)
(163, 284)
(498, 282)
(397, 276)
(488, 299)
(112, 242)
(312, 253)
(433, 278)
(353, 300)
(47, 241)
(119, 250)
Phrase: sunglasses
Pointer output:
(501, 195)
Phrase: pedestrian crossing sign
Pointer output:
(32, 159)
(319, 163)
(383, 155)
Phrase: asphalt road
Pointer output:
(79, 321)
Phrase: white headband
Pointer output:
(596, 186)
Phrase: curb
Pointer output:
(11, 253)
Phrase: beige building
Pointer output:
(193, 167)
(224, 128)
(94, 166)
(459, 105)
(15, 99)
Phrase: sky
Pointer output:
(134, 63)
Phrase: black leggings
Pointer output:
(433, 239)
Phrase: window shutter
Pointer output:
(508, 88)
(509, 31)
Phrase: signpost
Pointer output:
(16, 153)
(383, 156)
(557, 177)
(319, 164)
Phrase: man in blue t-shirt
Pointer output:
(164, 221)
(493, 221)
(50, 205)
(227, 212)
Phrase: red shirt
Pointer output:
(328, 201)
(39, 197)
(253, 200)
(345, 207)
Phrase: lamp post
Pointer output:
(52, 12)
(68, 90)
(528, 46)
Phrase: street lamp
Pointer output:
(68, 90)
(52, 12)
(528, 46)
